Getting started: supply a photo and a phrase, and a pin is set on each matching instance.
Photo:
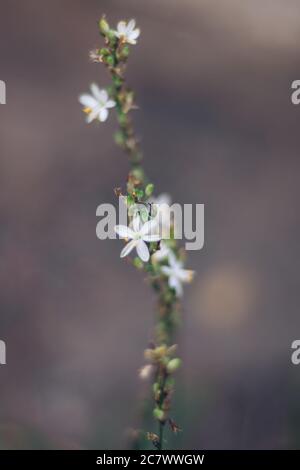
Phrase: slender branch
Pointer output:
(138, 190)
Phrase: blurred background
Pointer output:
(213, 81)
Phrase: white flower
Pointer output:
(126, 31)
(162, 253)
(96, 104)
(176, 274)
(139, 234)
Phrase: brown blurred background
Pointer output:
(213, 84)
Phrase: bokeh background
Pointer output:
(213, 81)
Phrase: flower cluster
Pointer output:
(149, 232)
(150, 229)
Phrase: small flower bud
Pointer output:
(104, 52)
(149, 354)
(149, 189)
(138, 173)
(109, 60)
(159, 414)
(139, 193)
(119, 138)
(103, 26)
(124, 54)
(173, 365)
(122, 119)
(138, 263)
(145, 372)
(94, 56)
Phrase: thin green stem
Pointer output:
(115, 56)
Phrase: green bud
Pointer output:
(122, 119)
(138, 263)
(144, 214)
(104, 52)
(124, 52)
(119, 138)
(138, 173)
(112, 38)
(173, 365)
(170, 382)
(139, 193)
(109, 60)
(159, 414)
(149, 189)
(103, 26)
(130, 200)
(117, 81)
(110, 90)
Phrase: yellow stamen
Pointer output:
(87, 110)
(191, 275)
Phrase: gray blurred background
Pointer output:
(213, 84)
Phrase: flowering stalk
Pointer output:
(159, 257)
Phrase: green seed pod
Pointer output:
(173, 365)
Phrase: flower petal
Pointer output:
(93, 114)
(136, 223)
(110, 104)
(150, 228)
(142, 251)
(174, 263)
(87, 100)
(175, 284)
(121, 28)
(103, 114)
(185, 275)
(128, 248)
(167, 270)
(151, 238)
(135, 34)
(162, 253)
(123, 231)
(96, 91)
(131, 25)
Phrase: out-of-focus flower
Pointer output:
(176, 274)
(96, 104)
(139, 235)
(127, 32)
(146, 372)
(162, 253)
